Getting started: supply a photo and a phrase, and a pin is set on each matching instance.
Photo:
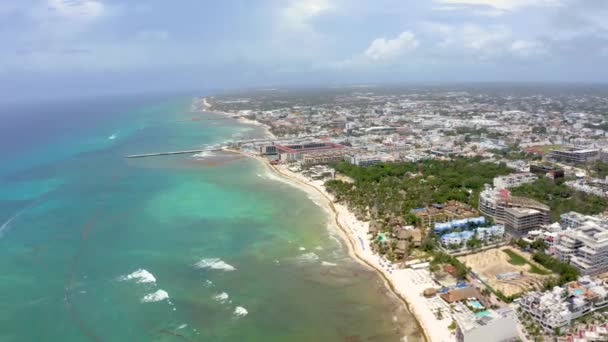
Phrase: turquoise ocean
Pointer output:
(211, 247)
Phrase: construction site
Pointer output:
(507, 271)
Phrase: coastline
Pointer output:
(354, 233)
(204, 106)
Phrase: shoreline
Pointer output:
(354, 233)
(207, 107)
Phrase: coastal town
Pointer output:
(485, 211)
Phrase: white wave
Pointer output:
(113, 136)
(319, 248)
(327, 263)
(202, 155)
(302, 248)
(214, 264)
(6, 225)
(182, 326)
(157, 296)
(222, 297)
(139, 276)
(308, 257)
(208, 283)
(240, 311)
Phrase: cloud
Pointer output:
(298, 14)
(505, 5)
(383, 49)
(77, 9)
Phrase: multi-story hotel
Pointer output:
(514, 180)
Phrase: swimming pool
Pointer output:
(475, 304)
(578, 292)
(483, 313)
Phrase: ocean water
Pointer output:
(94, 246)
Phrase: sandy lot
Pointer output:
(488, 264)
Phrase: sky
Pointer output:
(66, 48)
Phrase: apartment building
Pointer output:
(514, 180)
(585, 244)
(575, 155)
(557, 308)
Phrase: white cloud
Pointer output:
(77, 9)
(382, 49)
(505, 5)
(481, 42)
(298, 14)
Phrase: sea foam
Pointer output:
(327, 263)
(139, 276)
(214, 264)
(202, 155)
(157, 296)
(222, 297)
(240, 311)
(8, 222)
(308, 257)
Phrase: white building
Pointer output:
(585, 244)
(557, 308)
(514, 180)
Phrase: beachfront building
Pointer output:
(584, 244)
(495, 203)
(475, 321)
(575, 155)
(323, 157)
(296, 152)
(514, 180)
(557, 308)
(449, 211)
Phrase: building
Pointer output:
(495, 202)
(323, 157)
(556, 309)
(522, 220)
(380, 130)
(479, 324)
(364, 160)
(585, 244)
(483, 233)
(296, 152)
(575, 155)
(514, 180)
(451, 210)
(545, 170)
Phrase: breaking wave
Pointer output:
(139, 276)
(222, 297)
(214, 264)
(308, 257)
(157, 296)
(202, 155)
(240, 311)
(327, 263)
(8, 222)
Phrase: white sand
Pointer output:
(407, 284)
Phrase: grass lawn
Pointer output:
(514, 258)
(518, 260)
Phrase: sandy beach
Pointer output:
(407, 284)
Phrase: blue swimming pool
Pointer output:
(475, 304)
(483, 313)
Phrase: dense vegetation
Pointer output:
(394, 189)
(561, 198)
(566, 272)
(599, 169)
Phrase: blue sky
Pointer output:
(67, 47)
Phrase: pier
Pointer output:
(156, 154)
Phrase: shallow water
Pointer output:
(209, 247)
